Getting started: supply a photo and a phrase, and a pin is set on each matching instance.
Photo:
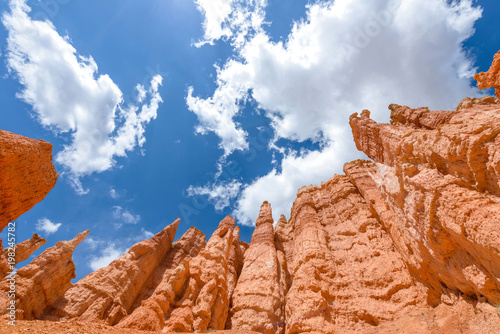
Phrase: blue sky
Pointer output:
(159, 109)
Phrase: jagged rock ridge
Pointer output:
(408, 242)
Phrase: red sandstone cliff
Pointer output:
(27, 174)
(408, 242)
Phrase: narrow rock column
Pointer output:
(257, 298)
(43, 281)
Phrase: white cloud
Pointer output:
(124, 216)
(146, 234)
(113, 193)
(46, 226)
(220, 194)
(69, 98)
(108, 255)
(346, 56)
(234, 19)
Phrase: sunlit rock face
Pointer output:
(27, 174)
(408, 241)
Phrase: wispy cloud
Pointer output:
(71, 99)
(46, 226)
(220, 194)
(113, 193)
(123, 216)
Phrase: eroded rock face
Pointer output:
(23, 250)
(39, 284)
(490, 79)
(204, 305)
(257, 299)
(151, 312)
(108, 294)
(27, 174)
(437, 191)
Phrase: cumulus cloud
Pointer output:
(108, 255)
(70, 98)
(46, 226)
(345, 56)
(124, 216)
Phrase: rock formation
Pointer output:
(257, 299)
(109, 293)
(406, 242)
(204, 303)
(151, 313)
(27, 174)
(22, 252)
(39, 284)
(490, 79)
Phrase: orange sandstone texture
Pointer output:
(23, 251)
(109, 293)
(408, 242)
(150, 314)
(490, 79)
(204, 303)
(257, 299)
(26, 174)
(39, 284)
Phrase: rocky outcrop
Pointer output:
(27, 174)
(490, 79)
(257, 299)
(39, 284)
(205, 302)
(108, 294)
(152, 311)
(441, 188)
(23, 251)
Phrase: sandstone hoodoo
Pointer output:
(406, 242)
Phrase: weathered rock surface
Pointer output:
(27, 174)
(39, 284)
(257, 299)
(108, 294)
(490, 79)
(441, 187)
(167, 285)
(204, 304)
(22, 252)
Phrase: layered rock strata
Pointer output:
(27, 174)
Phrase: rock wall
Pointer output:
(27, 174)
